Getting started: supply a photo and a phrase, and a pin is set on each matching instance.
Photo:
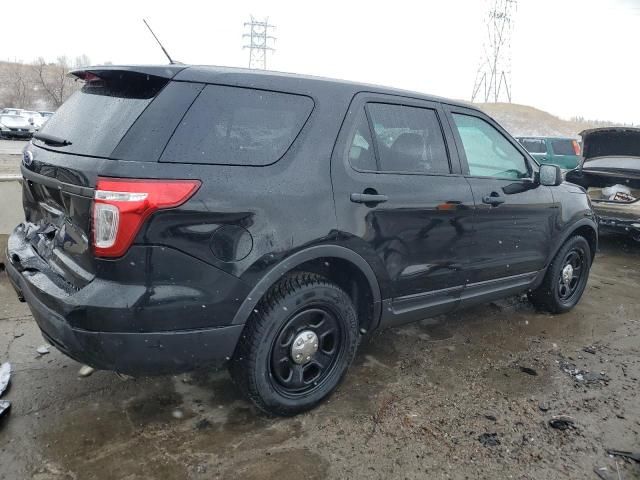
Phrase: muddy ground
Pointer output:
(414, 405)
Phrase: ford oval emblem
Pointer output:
(27, 157)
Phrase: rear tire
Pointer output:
(566, 277)
(270, 364)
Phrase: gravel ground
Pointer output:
(416, 404)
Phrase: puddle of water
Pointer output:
(99, 441)
(373, 371)
(159, 406)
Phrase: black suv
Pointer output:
(179, 217)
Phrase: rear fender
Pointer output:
(297, 259)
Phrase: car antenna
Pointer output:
(171, 62)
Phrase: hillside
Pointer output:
(525, 120)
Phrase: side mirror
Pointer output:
(550, 175)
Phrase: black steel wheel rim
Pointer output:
(567, 287)
(293, 379)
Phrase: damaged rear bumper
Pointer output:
(114, 347)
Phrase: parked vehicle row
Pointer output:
(183, 216)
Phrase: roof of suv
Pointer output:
(231, 75)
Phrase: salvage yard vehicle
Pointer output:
(561, 151)
(610, 171)
(179, 217)
(15, 126)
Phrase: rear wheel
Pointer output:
(297, 345)
(566, 277)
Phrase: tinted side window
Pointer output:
(238, 126)
(408, 139)
(534, 145)
(488, 152)
(361, 154)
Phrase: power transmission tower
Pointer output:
(493, 78)
(259, 40)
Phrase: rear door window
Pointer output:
(534, 145)
(238, 126)
(408, 139)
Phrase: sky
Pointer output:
(569, 57)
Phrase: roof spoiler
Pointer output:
(105, 71)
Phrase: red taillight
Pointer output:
(122, 205)
(576, 148)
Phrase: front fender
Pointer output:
(568, 231)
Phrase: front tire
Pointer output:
(566, 277)
(296, 345)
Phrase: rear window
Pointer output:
(96, 118)
(408, 139)
(563, 147)
(238, 126)
(534, 145)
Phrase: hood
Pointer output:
(610, 142)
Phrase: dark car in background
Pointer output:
(610, 171)
(561, 151)
(179, 217)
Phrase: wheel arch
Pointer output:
(586, 228)
(339, 264)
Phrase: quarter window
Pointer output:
(488, 152)
(408, 139)
(361, 155)
(238, 126)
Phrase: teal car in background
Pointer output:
(561, 151)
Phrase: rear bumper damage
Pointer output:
(118, 341)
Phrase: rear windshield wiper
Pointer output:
(52, 140)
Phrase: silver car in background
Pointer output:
(35, 118)
(15, 126)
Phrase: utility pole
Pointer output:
(493, 78)
(259, 42)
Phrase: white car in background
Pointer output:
(35, 118)
(15, 126)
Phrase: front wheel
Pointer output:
(566, 277)
(297, 345)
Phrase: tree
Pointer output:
(19, 91)
(82, 61)
(54, 79)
